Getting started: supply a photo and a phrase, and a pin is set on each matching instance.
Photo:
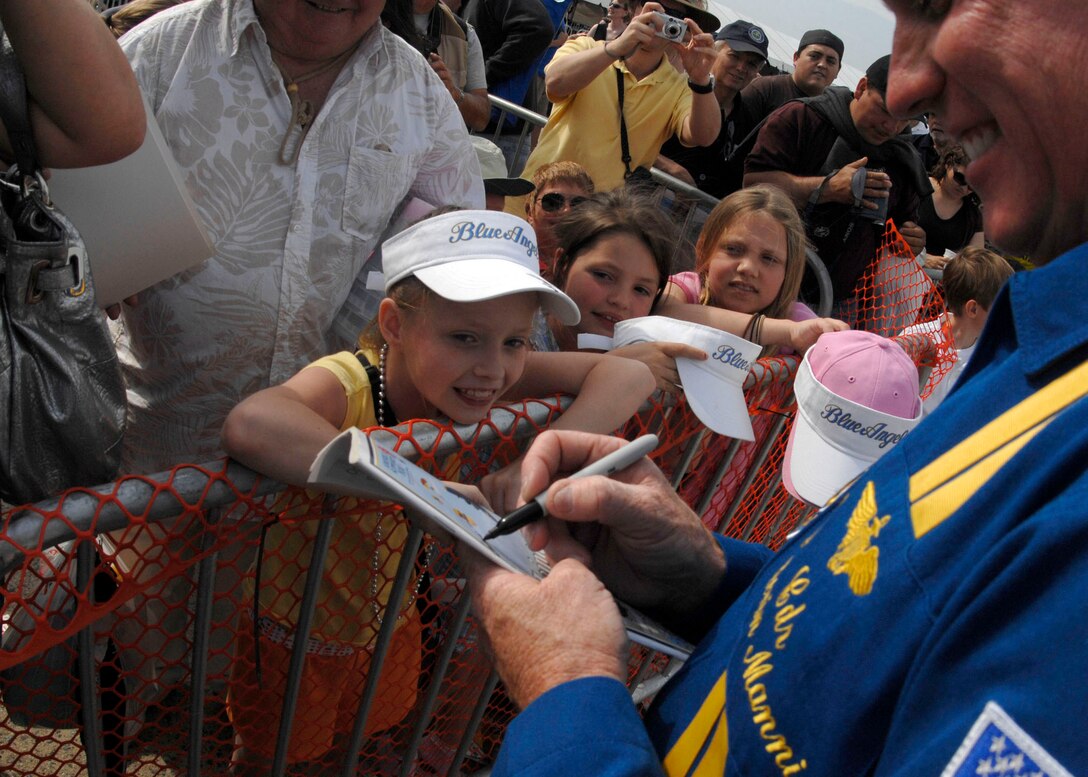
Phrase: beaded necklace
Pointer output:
(375, 560)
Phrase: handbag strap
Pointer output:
(15, 115)
(625, 150)
(13, 110)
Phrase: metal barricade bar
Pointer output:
(209, 489)
(90, 713)
(302, 635)
(201, 641)
(453, 633)
(381, 648)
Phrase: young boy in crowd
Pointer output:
(971, 281)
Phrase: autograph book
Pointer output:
(355, 465)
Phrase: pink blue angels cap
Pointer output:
(473, 255)
(857, 397)
(714, 388)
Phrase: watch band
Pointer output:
(706, 88)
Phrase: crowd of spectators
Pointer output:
(302, 129)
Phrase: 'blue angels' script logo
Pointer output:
(878, 432)
(479, 230)
(731, 356)
(996, 745)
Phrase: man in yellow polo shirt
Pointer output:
(658, 101)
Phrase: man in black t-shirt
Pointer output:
(816, 65)
(842, 160)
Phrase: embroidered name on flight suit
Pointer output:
(856, 556)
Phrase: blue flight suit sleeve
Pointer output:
(590, 726)
(586, 726)
(743, 560)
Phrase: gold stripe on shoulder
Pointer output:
(931, 510)
(682, 755)
(1010, 425)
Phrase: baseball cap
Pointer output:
(714, 388)
(821, 38)
(473, 255)
(857, 397)
(744, 36)
(493, 167)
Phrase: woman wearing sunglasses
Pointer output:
(559, 188)
(616, 19)
(952, 215)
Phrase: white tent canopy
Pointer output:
(780, 47)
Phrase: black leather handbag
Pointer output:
(61, 391)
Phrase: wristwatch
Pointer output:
(706, 88)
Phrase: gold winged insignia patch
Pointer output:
(857, 556)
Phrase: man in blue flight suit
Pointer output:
(930, 621)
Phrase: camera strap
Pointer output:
(814, 198)
(625, 149)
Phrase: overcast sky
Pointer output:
(865, 26)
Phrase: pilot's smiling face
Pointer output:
(997, 72)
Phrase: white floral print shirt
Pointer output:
(289, 240)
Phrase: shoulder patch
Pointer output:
(996, 745)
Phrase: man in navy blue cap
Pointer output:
(742, 51)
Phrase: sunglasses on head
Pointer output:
(554, 201)
(960, 178)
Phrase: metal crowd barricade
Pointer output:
(217, 489)
(760, 510)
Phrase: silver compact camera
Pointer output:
(671, 28)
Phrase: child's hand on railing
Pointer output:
(798, 335)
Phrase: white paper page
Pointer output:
(136, 218)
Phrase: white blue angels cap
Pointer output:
(471, 256)
(857, 398)
(714, 387)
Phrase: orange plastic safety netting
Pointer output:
(895, 293)
(158, 538)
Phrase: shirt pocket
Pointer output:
(377, 180)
